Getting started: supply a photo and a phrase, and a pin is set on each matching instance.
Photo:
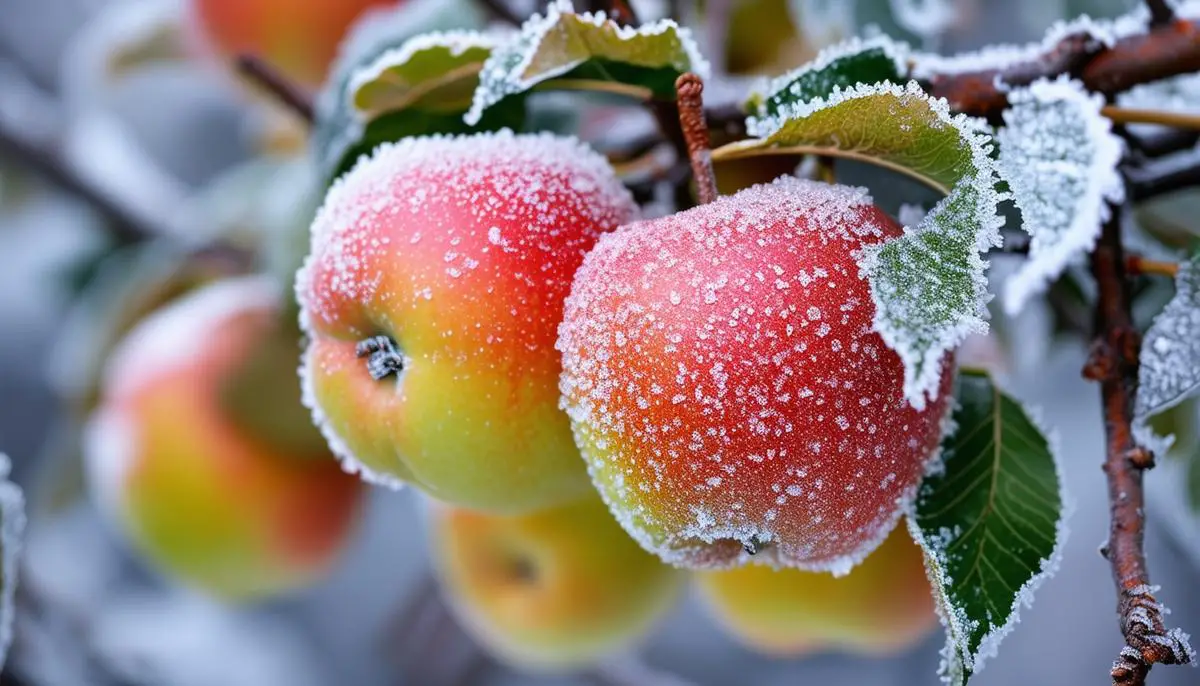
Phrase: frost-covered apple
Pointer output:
(727, 388)
(196, 492)
(884, 605)
(551, 590)
(432, 294)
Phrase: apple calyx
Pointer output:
(383, 357)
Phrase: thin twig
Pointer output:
(288, 93)
(1163, 51)
(1169, 176)
(1161, 143)
(1136, 265)
(690, 101)
(124, 223)
(1129, 115)
(501, 10)
(1114, 363)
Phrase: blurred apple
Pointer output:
(557, 589)
(201, 455)
(884, 605)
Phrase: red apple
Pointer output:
(431, 297)
(194, 490)
(726, 386)
(300, 37)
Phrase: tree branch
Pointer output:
(1165, 50)
(1113, 362)
(1164, 177)
(1160, 12)
(290, 94)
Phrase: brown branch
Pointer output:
(1136, 265)
(1161, 143)
(288, 93)
(1114, 363)
(1166, 177)
(690, 101)
(125, 224)
(1164, 50)
(1129, 115)
(501, 10)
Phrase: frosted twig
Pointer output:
(288, 93)
(1165, 50)
(690, 101)
(1114, 363)
(1136, 265)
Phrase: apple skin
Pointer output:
(727, 389)
(549, 591)
(461, 250)
(301, 39)
(197, 496)
(883, 606)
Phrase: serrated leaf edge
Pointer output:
(954, 624)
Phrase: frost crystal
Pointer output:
(1059, 157)
(450, 43)
(555, 44)
(1170, 358)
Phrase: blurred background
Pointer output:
(135, 164)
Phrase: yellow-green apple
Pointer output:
(193, 489)
(726, 386)
(300, 38)
(884, 605)
(432, 295)
(552, 590)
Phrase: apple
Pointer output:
(198, 492)
(883, 606)
(301, 39)
(553, 590)
(431, 297)
(727, 389)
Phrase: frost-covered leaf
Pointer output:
(1059, 157)
(991, 522)
(929, 286)
(435, 71)
(842, 66)
(566, 46)
(342, 134)
(1170, 360)
(12, 528)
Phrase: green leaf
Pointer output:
(12, 528)
(929, 285)
(991, 523)
(342, 133)
(839, 67)
(567, 50)
(435, 72)
(1059, 157)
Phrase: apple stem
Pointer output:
(290, 94)
(689, 89)
(383, 358)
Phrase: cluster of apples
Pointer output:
(482, 310)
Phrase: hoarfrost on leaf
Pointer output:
(992, 522)
(436, 71)
(1059, 157)
(1170, 359)
(586, 46)
(12, 528)
(929, 285)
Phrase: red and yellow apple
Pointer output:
(299, 37)
(726, 386)
(431, 297)
(193, 489)
(884, 605)
(557, 589)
